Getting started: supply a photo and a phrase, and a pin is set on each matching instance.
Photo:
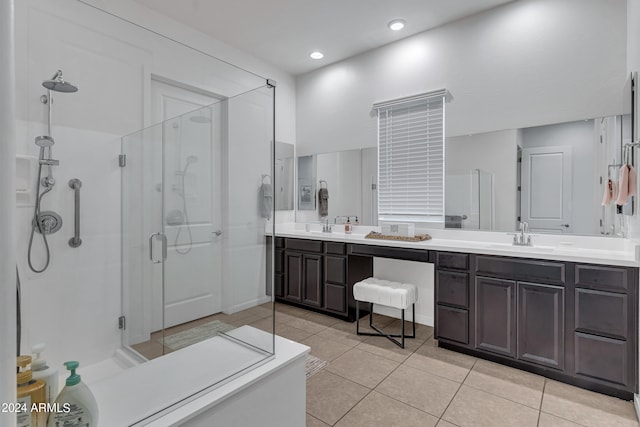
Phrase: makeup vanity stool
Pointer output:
(389, 294)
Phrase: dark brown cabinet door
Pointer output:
(293, 268)
(496, 316)
(335, 283)
(312, 280)
(541, 314)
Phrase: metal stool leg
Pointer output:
(402, 328)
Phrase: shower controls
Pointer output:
(48, 222)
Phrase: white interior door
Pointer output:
(547, 188)
(187, 285)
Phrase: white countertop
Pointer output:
(583, 249)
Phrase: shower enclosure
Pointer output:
(193, 244)
(470, 200)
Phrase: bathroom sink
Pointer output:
(513, 248)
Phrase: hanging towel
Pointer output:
(610, 192)
(323, 201)
(266, 200)
(627, 184)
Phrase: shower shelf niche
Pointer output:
(25, 173)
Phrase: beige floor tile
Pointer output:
(361, 367)
(377, 410)
(472, 407)
(294, 334)
(325, 349)
(347, 338)
(151, 349)
(513, 384)
(321, 319)
(330, 397)
(423, 332)
(586, 407)
(419, 389)
(443, 423)
(259, 311)
(306, 325)
(265, 324)
(385, 348)
(439, 361)
(548, 420)
(314, 422)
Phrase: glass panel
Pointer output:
(197, 197)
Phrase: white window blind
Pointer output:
(411, 158)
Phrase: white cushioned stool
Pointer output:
(390, 294)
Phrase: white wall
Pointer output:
(496, 153)
(527, 63)
(7, 216)
(633, 35)
(74, 305)
(580, 137)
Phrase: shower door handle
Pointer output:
(151, 247)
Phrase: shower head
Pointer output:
(44, 141)
(58, 84)
(192, 159)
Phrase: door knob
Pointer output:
(565, 225)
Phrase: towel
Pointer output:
(610, 192)
(323, 201)
(627, 184)
(266, 200)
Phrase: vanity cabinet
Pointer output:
(573, 322)
(320, 276)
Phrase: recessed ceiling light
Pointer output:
(316, 55)
(396, 24)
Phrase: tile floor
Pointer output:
(371, 382)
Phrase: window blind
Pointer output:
(411, 158)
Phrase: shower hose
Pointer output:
(37, 225)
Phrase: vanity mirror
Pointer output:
(552, 176)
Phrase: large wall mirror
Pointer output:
(284, 172)
(552, 176)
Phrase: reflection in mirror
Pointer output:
(552, 177)
(350, 178)
(284, 168)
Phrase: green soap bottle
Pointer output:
(75, 405)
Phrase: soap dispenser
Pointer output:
(347, 227)
(45, 373)
(78, 406)
(30, 392)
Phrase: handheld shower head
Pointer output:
(57, 84)
(44, 141)
(192, 159)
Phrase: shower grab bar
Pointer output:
(164, 247)
(76, 241)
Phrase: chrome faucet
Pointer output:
(326, 228)
(523, 238)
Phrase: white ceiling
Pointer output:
(284, 32)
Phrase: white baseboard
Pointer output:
(245, 305)
(395, 313)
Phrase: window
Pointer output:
(411, 158)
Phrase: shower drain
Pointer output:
(50, 222)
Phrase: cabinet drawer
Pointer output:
(603, 359)
(335, 297)
(452, 260)
(452, 324)
(452, 288)
(600, 277)
(335, 269)
(304, 245)
(523, 269)
(335, 248)
(603, 313)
